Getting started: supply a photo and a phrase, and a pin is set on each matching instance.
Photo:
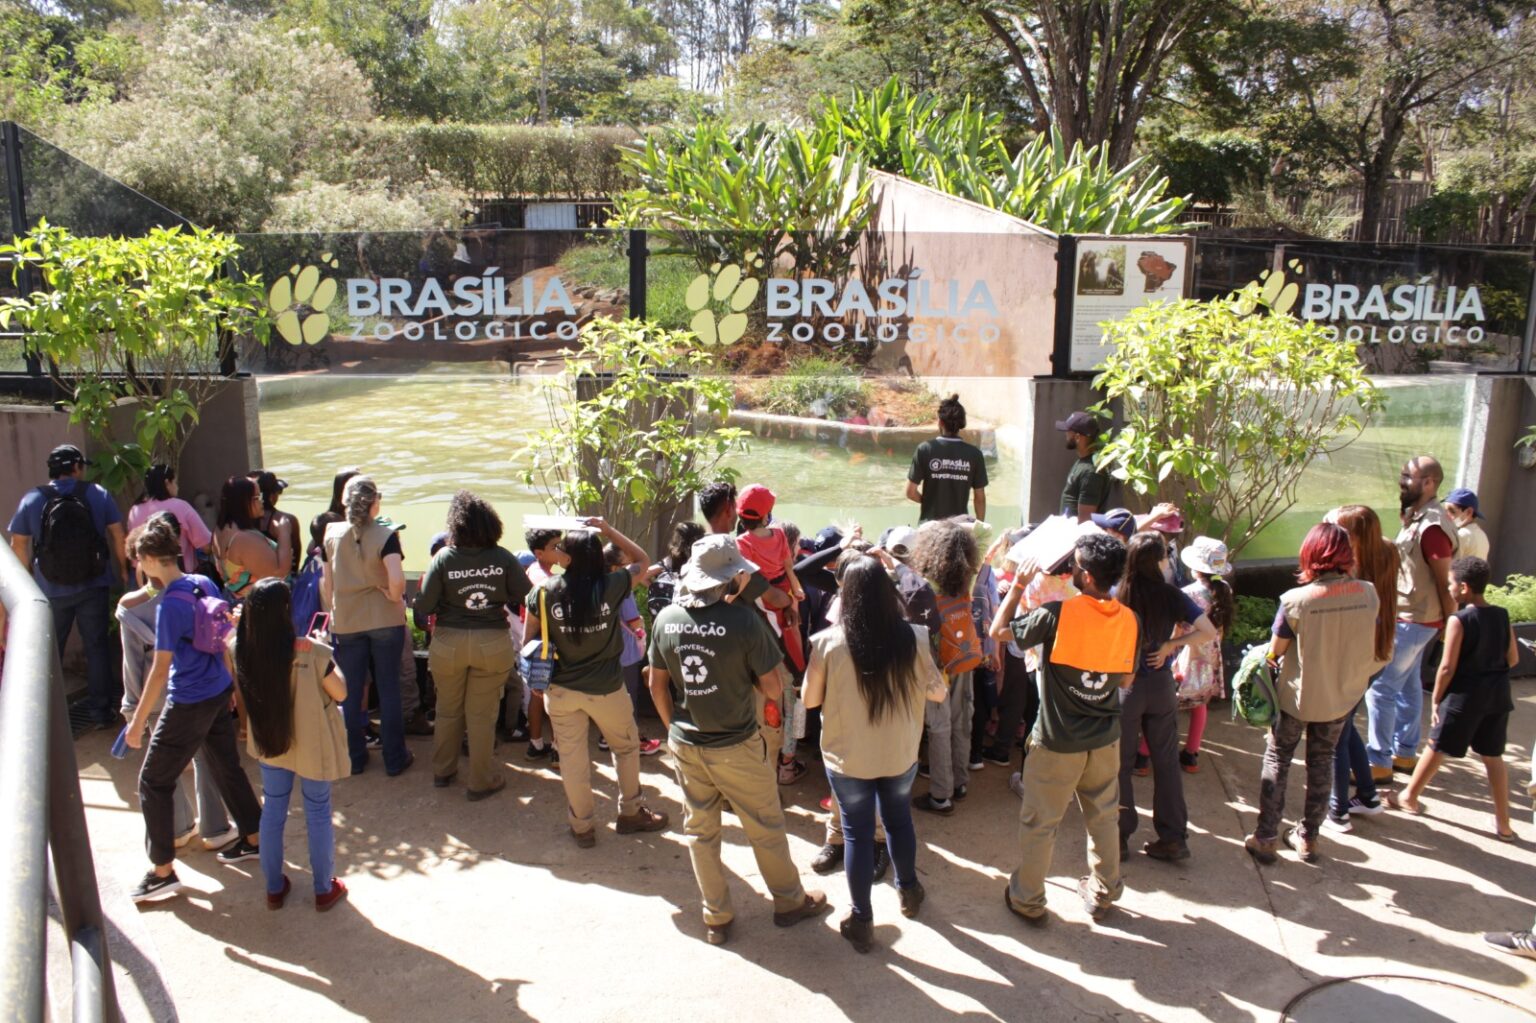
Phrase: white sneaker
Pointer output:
(185, 838)
(1340, 824)
(1016, 783)
(221, 840)
(1364, 809)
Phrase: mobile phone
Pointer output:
(319, 624)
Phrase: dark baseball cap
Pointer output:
(1464, 498)
(1079, 422)
(65, 456)
(1117, 520)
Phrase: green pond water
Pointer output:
(425, 436)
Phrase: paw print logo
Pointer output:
(301, 300)
(1272, 290)
(729, 286)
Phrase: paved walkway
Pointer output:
(487, 911)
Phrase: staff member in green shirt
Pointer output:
(710, 652)
(947, 473)
(1087, 488)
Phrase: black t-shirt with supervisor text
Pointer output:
(947, 469)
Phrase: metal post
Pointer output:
(1066, 276)
(637, 259)
(74, 869)
(1530, 325)
(10, 141)
(25, 708)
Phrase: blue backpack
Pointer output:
(306, 595)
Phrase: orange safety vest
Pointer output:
(1096, 635)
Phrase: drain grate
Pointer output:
(1401, 1000)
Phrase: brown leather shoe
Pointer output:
(643, 819)
(814, 905)
(475, 795)
(584, 839)
(1306, 848)
(717, 934)
(1265, 850)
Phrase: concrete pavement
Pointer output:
(464, 911)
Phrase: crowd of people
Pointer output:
(930, 652)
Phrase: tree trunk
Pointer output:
(1377, 175)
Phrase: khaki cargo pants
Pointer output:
(570, 714)
(744, 775)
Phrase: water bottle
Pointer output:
(120, 746)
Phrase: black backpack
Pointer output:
(70, 551)
(660, 592)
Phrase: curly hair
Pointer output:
(472, 522)
(945, 553)
(359, 496)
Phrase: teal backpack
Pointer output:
(1255, 695)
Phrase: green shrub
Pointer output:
(816, 386)
(1252, 623)
(503, 160)
(1517, 596)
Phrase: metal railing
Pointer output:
(42, 813)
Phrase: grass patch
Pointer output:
(816, 386)
(606, 266)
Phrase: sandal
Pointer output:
(1506, 836)
(790, 771)
(1395, 802)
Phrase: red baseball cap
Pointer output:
(755, 502)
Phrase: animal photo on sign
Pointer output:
(1101, 270)
(1156, 270)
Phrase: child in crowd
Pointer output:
(634, 652)
(1472, 697)
(1198, 669)
(548, 558)
(1471, 540)
(769, 548)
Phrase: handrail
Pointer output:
(42, 811)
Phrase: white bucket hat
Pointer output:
(715, 561)
(1207, 554)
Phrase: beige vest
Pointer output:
(358, 580)
(1418, 594)
(319, 749)
(1331, 660)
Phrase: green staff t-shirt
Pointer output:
(947, 469)
(1079, 710)
(1085, 485)
(588, 657)
(714, 656)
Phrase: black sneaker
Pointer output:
(238, 850)
(996, 756)
(961, 791)
(373, 740)
(922, 769)
(942, 807)
(882, 862)
(153, 888)
(828, 859)
(538, 752)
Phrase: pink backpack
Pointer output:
(212, 618)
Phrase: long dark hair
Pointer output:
(680, 548)
(264, 665)
(1223, 602)
(1144, 590)
(882, 644)
(338, 485)
(155, 481)
(235, 503)
(579, 590)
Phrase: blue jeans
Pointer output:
(858, 800)
(1395, 701)
(88, 610)
(1349, 759)
(375, 652)
(276, 788)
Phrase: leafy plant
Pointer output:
(633, 429)
(1517, 596)
(816, 386)
(141, 318)
(1252, 621)
(900, 131)
(1226, 403)
(749, 196)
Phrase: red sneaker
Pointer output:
(650, 747)
(336, 894)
